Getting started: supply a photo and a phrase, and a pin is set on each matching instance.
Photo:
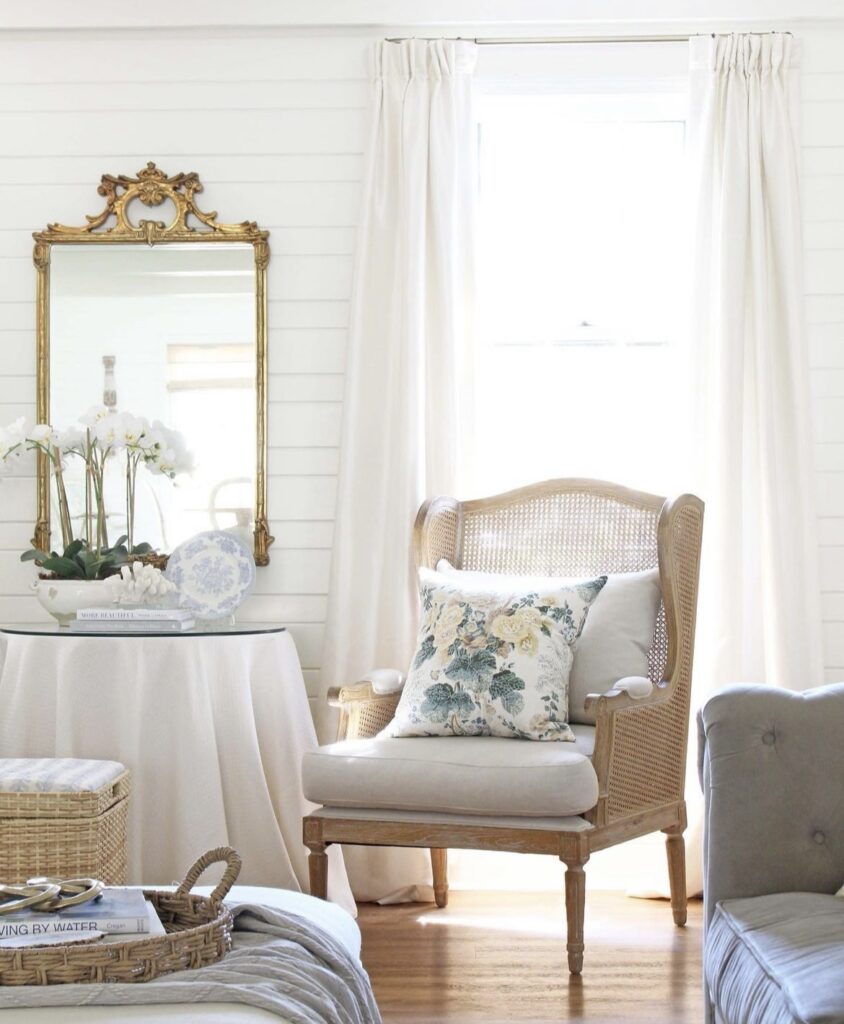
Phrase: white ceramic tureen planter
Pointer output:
(63, 598)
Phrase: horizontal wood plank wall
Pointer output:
(823, 214)
(275, 126)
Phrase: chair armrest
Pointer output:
(367, 706)
(637, 688)
(378, 682)
(638, 757)
(772, 767)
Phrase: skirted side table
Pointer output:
(211, 724)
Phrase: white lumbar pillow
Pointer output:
(616, 637)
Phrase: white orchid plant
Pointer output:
(100, 437)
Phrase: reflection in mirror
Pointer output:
(166, 332)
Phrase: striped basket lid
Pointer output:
(56, 774)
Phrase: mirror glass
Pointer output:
(167, 332)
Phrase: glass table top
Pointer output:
(203, 629)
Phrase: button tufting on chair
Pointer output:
(768, 739)
(774, 828)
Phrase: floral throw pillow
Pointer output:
(493, 663)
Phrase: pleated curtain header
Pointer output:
(747, 54)
(424, 58)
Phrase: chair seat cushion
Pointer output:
(777, 959)
(456, 775)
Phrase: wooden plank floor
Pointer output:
(499, 957)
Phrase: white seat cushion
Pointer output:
(457, 775)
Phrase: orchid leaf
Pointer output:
(34, 555)
(64, 567)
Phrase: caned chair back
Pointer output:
(577, 528)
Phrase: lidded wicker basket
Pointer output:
(199, 933)
(67, 830)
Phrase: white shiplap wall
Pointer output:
(274, 124)
(823, 206)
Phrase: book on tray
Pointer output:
(134, 614)
(131, 625)
(117, 911)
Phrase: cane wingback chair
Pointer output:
(567, 528)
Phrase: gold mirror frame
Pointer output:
(152, 187)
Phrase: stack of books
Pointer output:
(119, 914)
(132, 620)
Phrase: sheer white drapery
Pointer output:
(759, 611)
(759, 615)
(405, 407)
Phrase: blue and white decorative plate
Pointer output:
(214, 573)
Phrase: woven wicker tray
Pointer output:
(199, 932)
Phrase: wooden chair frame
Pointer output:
(561, 527)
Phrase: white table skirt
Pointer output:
(212, 728)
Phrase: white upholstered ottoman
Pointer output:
(328, 916)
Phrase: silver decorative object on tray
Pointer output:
(49, 894)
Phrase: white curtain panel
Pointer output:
(759, 611)
(406, 407)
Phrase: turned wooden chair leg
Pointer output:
(439, 863)
(675, 847)
(575, 913)
(318, 870)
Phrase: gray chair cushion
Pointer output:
(456, 775)
(777, 959)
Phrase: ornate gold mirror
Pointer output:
(165, 319)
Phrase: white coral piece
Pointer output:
(139, 584)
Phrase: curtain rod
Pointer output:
(542, 40)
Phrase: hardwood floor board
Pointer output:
(500, 958)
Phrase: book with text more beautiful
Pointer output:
(134, 614)
(117, 911)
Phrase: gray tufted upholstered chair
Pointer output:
(772, 768)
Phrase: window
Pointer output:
(581, 287)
